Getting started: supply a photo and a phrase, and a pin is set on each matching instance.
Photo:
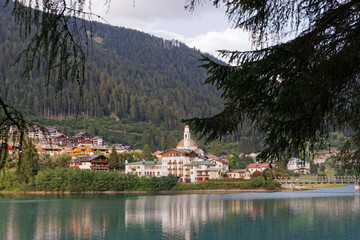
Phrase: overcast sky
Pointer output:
(206, 28)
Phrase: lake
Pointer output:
(332, 213)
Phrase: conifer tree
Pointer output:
(294, 91)
(146, 153)
(113, 159)
(28, 164)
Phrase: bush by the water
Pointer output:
(257, 182)
(271, 184)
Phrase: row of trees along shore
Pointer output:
(77, 180)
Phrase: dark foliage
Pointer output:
(294, 91)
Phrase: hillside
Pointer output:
(138, 87)
(130, 75)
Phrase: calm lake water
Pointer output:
(322, 214)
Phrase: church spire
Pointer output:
(186, 137)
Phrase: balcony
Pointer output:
(100, 167)
(202, 175)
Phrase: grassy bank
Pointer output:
(324, 185)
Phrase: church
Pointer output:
(185, 161)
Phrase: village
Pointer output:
(186, 160)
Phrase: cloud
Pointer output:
(167, 15)
(206, 29)
(230, 39)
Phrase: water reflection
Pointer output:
(195, 216)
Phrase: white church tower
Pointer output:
(187, 142)
(187, 137)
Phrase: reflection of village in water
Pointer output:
(183, 214)
(175, 215)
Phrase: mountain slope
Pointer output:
(130, 74)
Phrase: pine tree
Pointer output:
(28, 163)
(146, 153)
(113, 159)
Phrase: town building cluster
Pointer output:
(186, 161)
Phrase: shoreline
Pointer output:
(204, 191)
(197, 191)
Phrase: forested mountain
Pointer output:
(130, 74)
(145, 83)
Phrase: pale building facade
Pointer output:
(298, 166)
(239, 174)
(260, 167)
(197, 171)
(145, 168)
(173, 161)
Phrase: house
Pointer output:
(94, 162)
(297, 165)
(239, 174)
(83, 135)
(260, 167)
(197, 171)
(97, 148)
(174, 159)
(120, 148)
(99, 141)
(69, 142)
(51, 149)
(158, 155)
(78, 150)
(58, 140)
(320, 160)
(199, 152)
(145, 168)
(252, 155)
(220, 164)
(53, 132)
(214, 173)
(36, 132)
(88, 149)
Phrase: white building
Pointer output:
(197, 171)
(100, 141)
(173, 161)
(183, 162)
(187, 143)
(320, 160)
(239, 174)
(220, 164)
(260, 167)
(54, 132)
(145, 168)
(94, 162)
(298, 166)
